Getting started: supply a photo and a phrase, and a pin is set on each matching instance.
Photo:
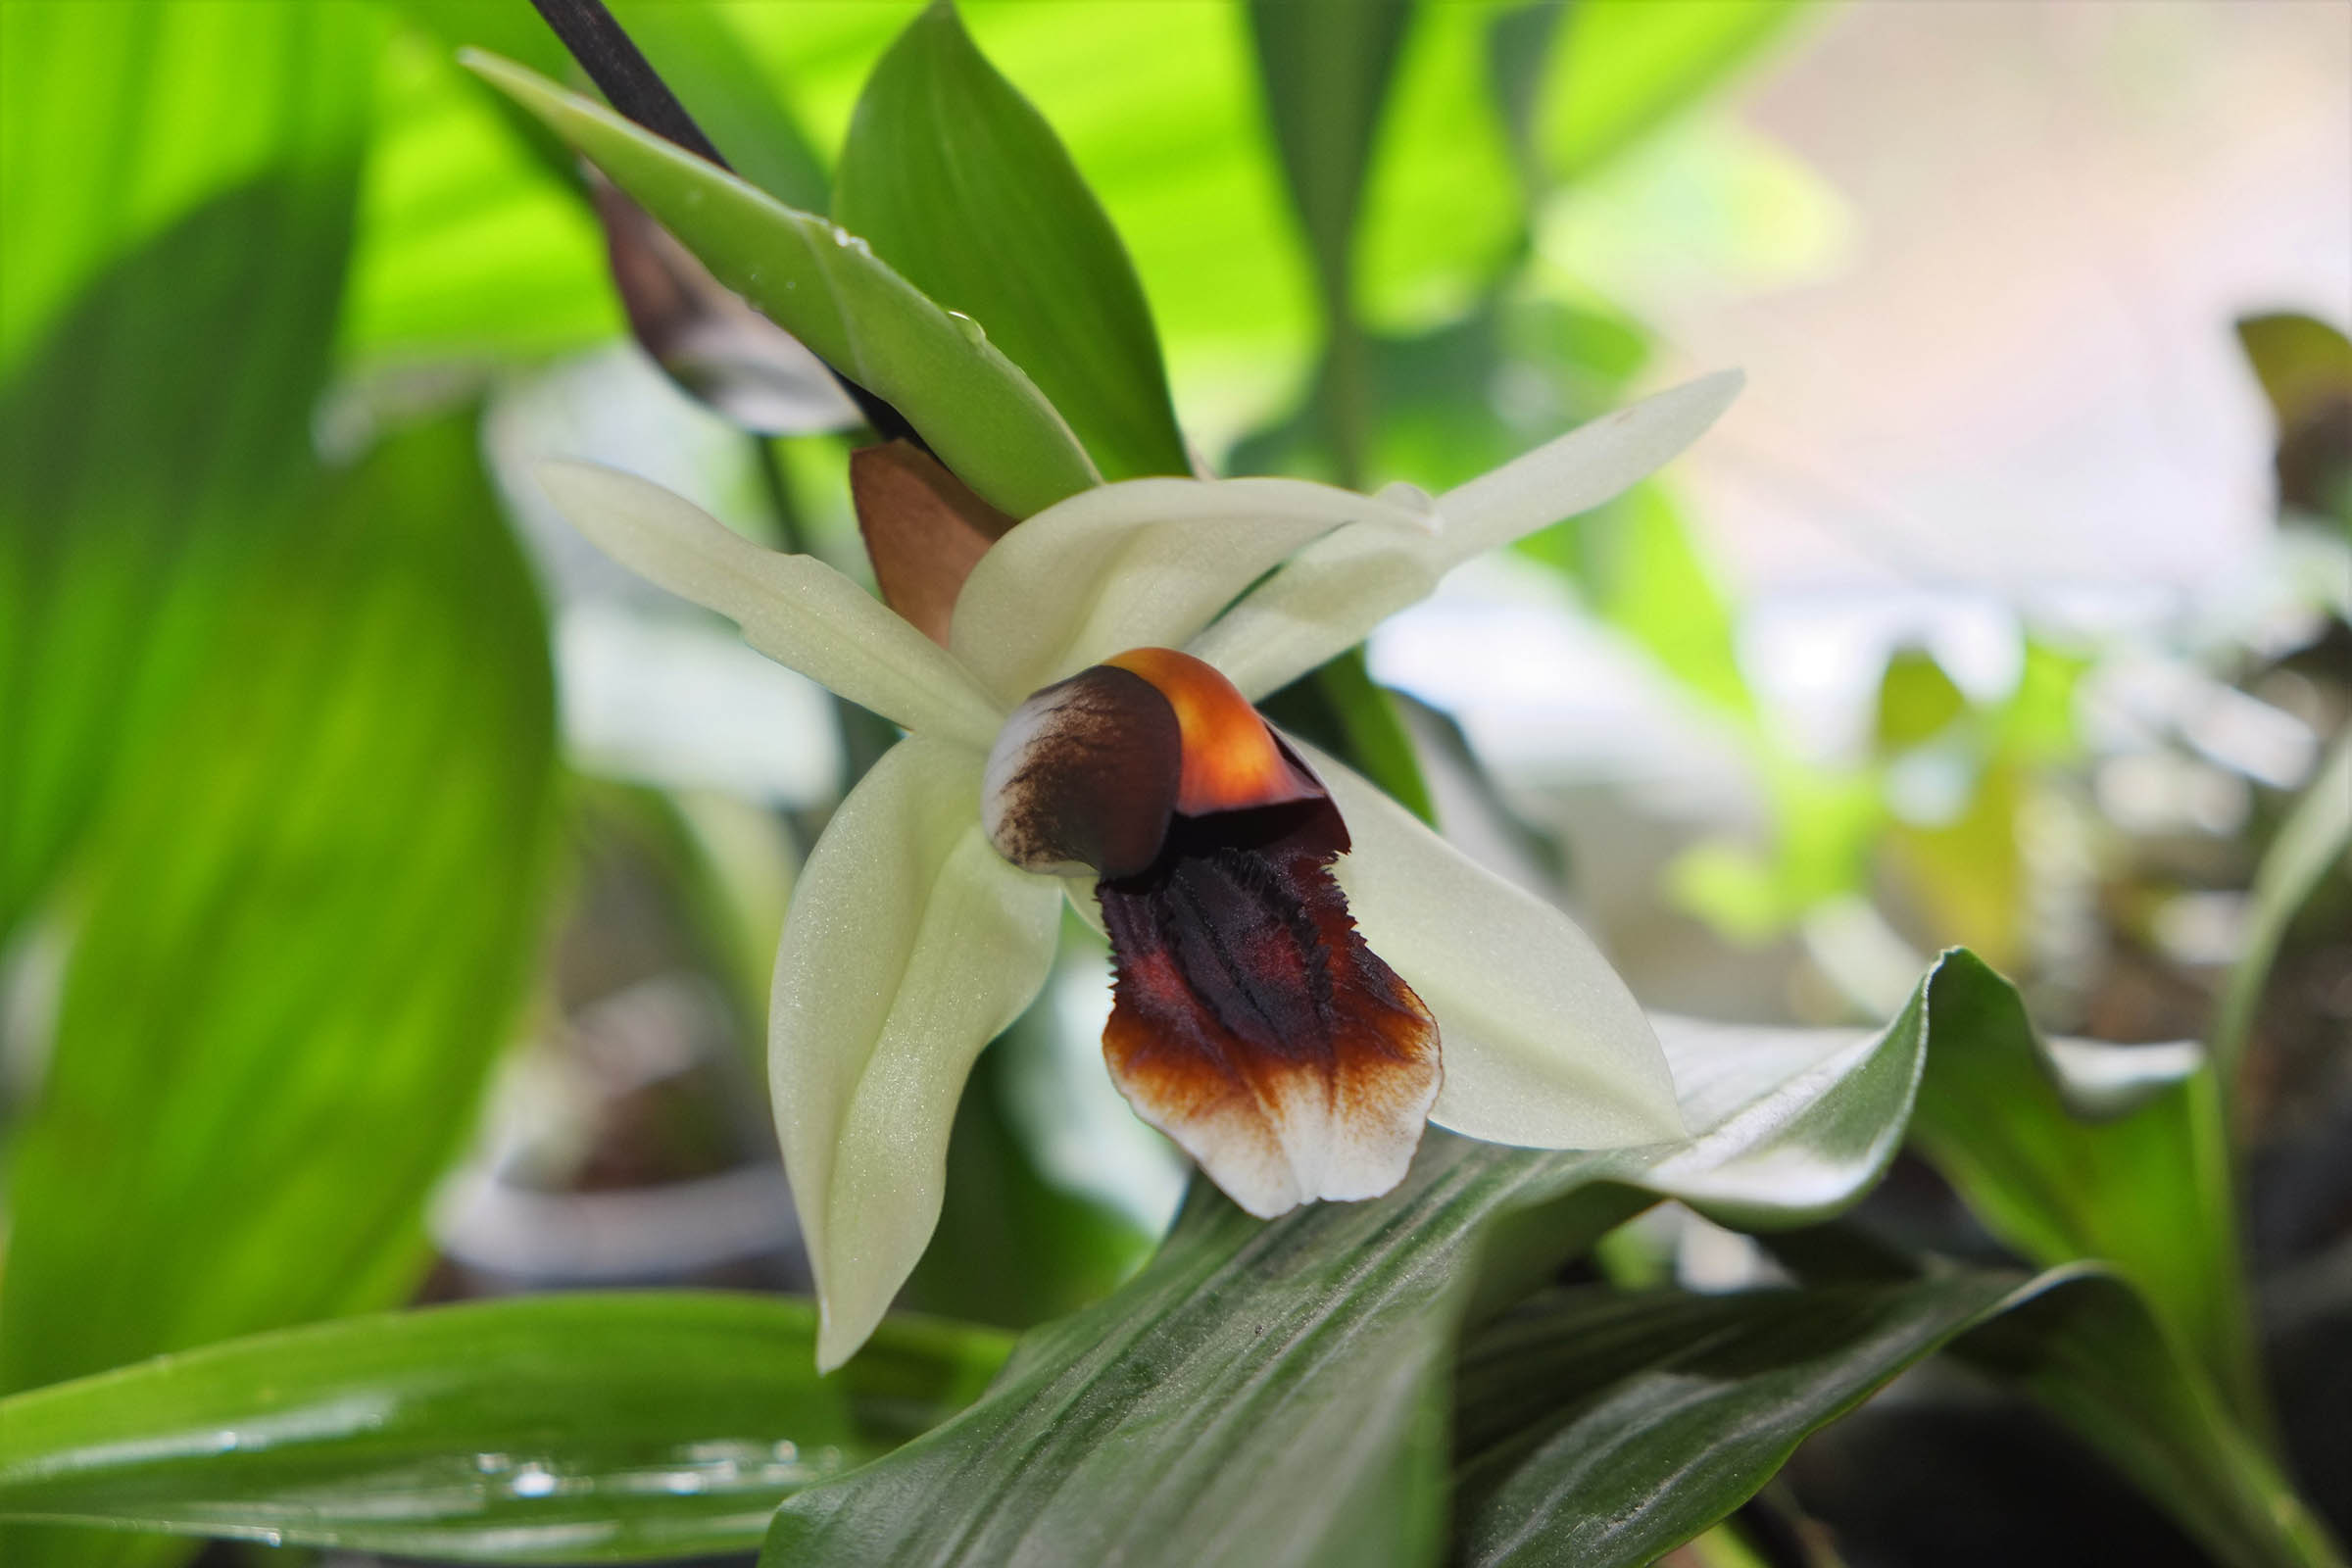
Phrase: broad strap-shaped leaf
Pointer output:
(299, 942)
(164, 337)
(2093, 1351)
(574, 1428)
(1325, 65)
(975, 407)
(1599, 1428)
(911, 944)
(2148, 1192)
(1275, 1392)
(962, 186)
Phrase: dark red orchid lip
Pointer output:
(1249, 1021)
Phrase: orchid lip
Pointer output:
(1249, 1021)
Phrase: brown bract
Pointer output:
(924, 529)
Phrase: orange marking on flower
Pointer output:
(1232, 761)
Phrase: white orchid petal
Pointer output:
(1143, 563)
(1540, 1042)
(908, 946)
(1329, 596)
(795, 608)
(1324, 602)
(1583, 468)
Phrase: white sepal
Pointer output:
(1578, 472)
(795, 608)
(910, 945)
(1329, 596)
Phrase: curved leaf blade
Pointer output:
(979, 411)
(959, 183)
(579, 1428)
(298, 942)
(1600, 1428)
(2148, 1192)
(129, 496)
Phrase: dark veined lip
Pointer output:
(1249, 1021)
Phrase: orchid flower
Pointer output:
(1304, 974)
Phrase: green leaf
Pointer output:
(1327, 66)
(2304, 365)
(581, 1428)
(2093, 1353)
(1600, 1428)
(170, 299)
(2147, 1190)
(119, 120)
(985, 419)
(1622, 68)
(1444, 212)
(1275, 1392)
(962, 186)
(297, 946)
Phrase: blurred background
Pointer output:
(387, 882)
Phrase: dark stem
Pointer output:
(637, 92)
(623, 73)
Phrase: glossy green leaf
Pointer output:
(298, 944)
(1600, 1428)
(986, 419)
(166, 311)
(962, 186)
(1276, 1392)
(1621, 68)
(2147, 1190)
(578, 1428)
(1173, 143)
